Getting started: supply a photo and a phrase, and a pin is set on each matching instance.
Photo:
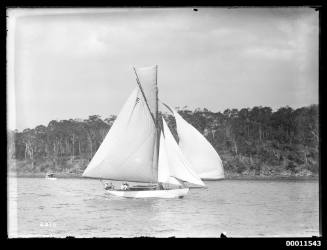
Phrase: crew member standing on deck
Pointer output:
(124, 186)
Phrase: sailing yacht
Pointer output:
(140, 147)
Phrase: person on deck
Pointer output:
(160, 186)
(108, 186)
(124, 186)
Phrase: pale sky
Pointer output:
(72, 63)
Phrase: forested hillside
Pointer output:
(251, 142)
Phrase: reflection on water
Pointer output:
(80, 208)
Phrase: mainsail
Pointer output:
(178, 166)
(128, 151)
(203, 157)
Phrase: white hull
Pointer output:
(51, 178)
(166, 193)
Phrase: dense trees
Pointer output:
(253, 140)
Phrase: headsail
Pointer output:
(204, 159)
(178, 165)
(164, 174)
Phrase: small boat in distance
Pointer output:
(140, 147)
(50, 176)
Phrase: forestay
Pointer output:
(202, 156)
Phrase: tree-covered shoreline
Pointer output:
(251, 142)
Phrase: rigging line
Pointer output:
(130, 115)
(167, 106)
(146, 102)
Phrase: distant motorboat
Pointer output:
(50, 176)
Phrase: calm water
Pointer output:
(241, 208)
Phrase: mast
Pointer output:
(157, 120)
(158, 130)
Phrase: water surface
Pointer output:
(241, 208)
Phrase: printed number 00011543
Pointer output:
(304, 243)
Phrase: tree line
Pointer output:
(246, 139)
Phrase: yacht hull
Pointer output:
(51, 178)
(166, 193)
